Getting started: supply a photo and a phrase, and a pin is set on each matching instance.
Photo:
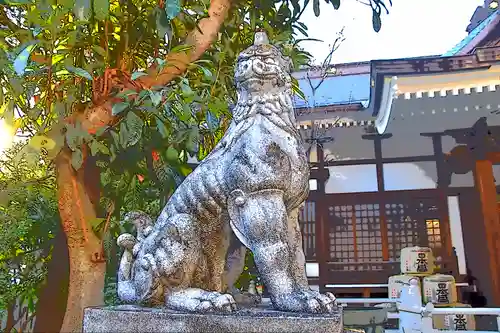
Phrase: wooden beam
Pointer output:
(494, 157)
(410, 159)
(485, 184)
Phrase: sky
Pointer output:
(412, 28)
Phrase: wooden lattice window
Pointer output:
(402, 229)
(434, 233)
(411, 224)
(355, 234)
(307, 220)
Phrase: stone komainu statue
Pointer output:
(244, 195)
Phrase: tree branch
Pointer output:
(200, 39)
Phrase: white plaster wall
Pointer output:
(456, 232)
(410, 117)
(351, 179)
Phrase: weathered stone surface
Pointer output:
(244, 195)
(127, 318)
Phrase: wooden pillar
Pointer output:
(442, 185)
(322, 231)
(377, 144)
(485, 185)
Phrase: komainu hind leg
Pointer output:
(185, 250)
(260, 220)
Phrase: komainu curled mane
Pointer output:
(244, 195)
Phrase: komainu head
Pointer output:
(262, 68)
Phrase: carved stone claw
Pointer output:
(308, 301)
(320, 303)
(216, 302)
(332, 297)
(222, 303)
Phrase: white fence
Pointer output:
(413, 316)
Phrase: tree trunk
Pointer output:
(51, 304)
(87, 267)
(10, 318)
(76, 197)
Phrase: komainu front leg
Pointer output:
(199, 300)
(260, 220)
(299, 264)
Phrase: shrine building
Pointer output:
(405, 152)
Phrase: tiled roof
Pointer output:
(340, 89)
(473, 34)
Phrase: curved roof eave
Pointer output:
(475, 36)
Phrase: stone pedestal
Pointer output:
(260, 319)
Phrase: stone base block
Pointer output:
(126, 318)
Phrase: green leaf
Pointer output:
(74, 137)
(101, 9)
(316, 7)
(80, 72)
(172, 154)
(4, 198)
(108, 243)
(335, 3)
(155, 97)
(96, 147)
(76, 159)
(172, 8)
(301, 27)
(60, 109)
(99, 50)
(161, 128)
(134, 126)
(116, 138)
(17, 2)
(376, 21)
(67, 4)
(123, 135)
(206, 72)
(136, 75)
(97, 225)
(186, 113)
(21, 61)
(186, 89)
(119, 108)
(162, 24)
(182, 48)
(212, 121)
(296, 89)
